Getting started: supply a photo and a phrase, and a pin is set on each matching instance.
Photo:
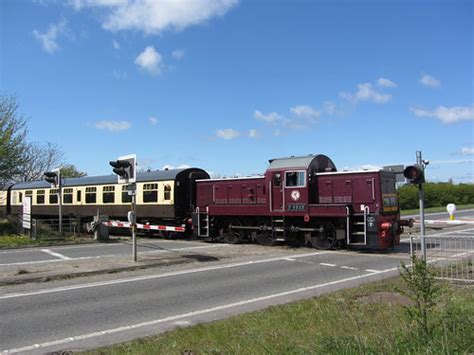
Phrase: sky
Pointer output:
(225, 85)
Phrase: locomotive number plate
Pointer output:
(296, 207)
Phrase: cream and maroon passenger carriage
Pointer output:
(167, 195)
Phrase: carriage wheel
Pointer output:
(234, 235)
(325, 237)
(265, 238)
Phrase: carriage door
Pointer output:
(277, 191)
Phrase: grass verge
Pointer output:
(367, 319)
(436, 209)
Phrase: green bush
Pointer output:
(436, 195)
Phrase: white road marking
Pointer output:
(374, 271)
(109, 255)
(53, 253)
(188, 315)
(151, 277)
(349, 268)
(326, 264)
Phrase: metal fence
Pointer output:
(453, 257)
(48, 229)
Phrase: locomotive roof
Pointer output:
(320, 162)
(105, 179)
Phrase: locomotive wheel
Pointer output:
(265, 238)
(165, 234)
(325, 237)
(234, 235)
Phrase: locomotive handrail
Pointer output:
(366, 213)
(348, 226)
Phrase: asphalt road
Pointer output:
(86, 314)
(40, 255)
(459, 215)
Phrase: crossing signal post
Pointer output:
(125, 168)
(54, 178)
(415, 174)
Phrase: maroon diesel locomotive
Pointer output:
(301, 200)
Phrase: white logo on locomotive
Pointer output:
(295, 195)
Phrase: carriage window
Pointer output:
(79, 195)
(108, 194)
(67, 196)
(126, 198)
(167, 194)
(91, 196)
(277, 179)
(295, 178)
(53, 196)
(40, 197)
(20, 198)
(29, 193)
(150, 193)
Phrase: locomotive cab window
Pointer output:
(126, 197)
(167, 192)
(277, 179)
(295, 179)
(53, 196)
(67, 196)
(108, 194)
(91, 194)
(40, 197)
(150, 193)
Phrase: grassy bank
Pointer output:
(436, 209)
(367, 319)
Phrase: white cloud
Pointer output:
(178, 54)
(113, 126)
(305, 111)
(227, 133)
(115, 44)
(386, 83)
(329, 107)
(272, 117)
(467, 150)
(153, 121)
(428, 80)
(49, 39)
(365, 92)
(447, 114)
(253, 133)
(150, 60)
(156, 16)
(79, 4)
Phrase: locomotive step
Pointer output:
(358, 223)
(357, 233)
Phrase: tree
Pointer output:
(70, 171)
(37, 159)
(12, 138)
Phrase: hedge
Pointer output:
(436, 194)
